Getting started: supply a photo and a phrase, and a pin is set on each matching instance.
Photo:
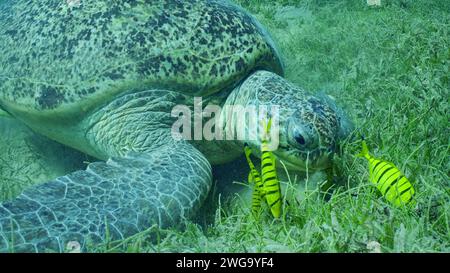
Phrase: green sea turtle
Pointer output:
(103, 76)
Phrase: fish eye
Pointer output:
(300, 139)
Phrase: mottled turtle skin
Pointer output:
(103, 76)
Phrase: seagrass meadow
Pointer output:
(388, 67)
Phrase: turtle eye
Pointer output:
(300, 139)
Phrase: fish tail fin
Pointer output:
(251, 180)
(364, 151)
(266, 127)
(247, 150)
(269, 124)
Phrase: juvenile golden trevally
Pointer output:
(389, 180)
(254, 179)
(270, 181)
(266, 186)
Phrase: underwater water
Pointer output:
(386, 67)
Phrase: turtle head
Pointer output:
(309, 126)
(310, 131)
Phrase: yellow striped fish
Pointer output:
(389, 180)
(271, 185)
(255, 179)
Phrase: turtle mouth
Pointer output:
(297, 160)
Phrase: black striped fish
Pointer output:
(389, 180)
(254, 179)
(271, 185)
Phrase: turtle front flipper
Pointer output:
(150, 178)
(125, 195)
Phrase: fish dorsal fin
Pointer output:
(266, 129)
(364, 151)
